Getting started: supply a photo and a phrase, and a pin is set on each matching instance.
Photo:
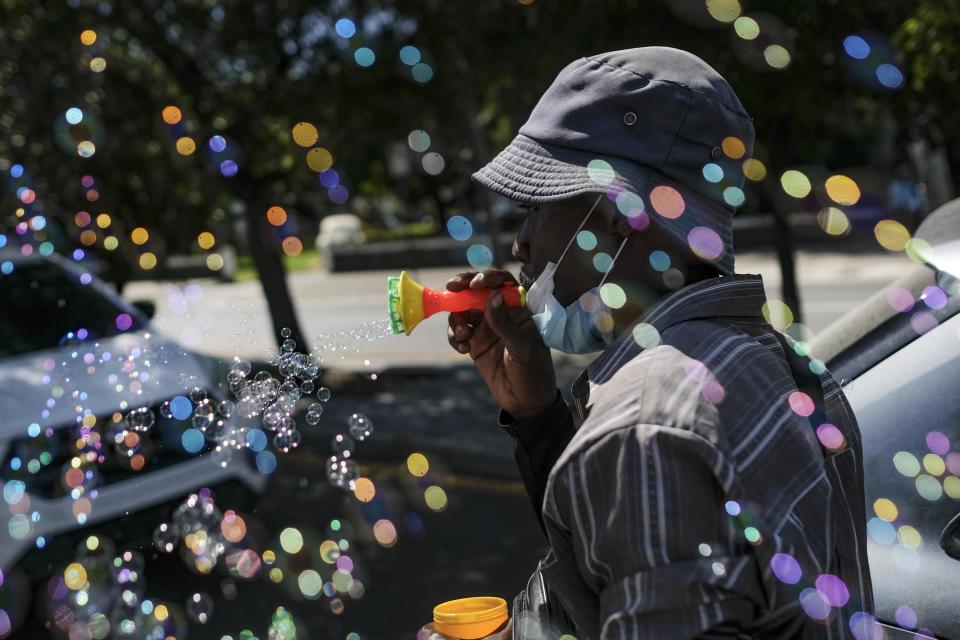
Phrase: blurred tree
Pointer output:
(466, 74)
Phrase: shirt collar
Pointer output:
(739, 295)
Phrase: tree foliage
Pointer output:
(249, 70)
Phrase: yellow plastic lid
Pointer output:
(470, 617)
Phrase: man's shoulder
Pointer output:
(676, 386)
(680, 381)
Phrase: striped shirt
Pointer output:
(696, 499)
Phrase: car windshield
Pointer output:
(43, 305)
(941, 231)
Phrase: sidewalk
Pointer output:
(202, 315)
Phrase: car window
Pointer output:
(41, 304)
(908, 410)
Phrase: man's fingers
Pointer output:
(483, 340)
(459, 333)
(463, 322)
(513, 328)
(460, 346)
(472, 317)
(492, 279)
(460, 281)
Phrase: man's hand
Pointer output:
(505, 346)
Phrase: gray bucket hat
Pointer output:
(656, 129)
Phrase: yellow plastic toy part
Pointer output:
(470, 618)
(411, 301)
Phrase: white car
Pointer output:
(76, 363)
(339, 228)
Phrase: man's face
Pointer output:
(547, 230)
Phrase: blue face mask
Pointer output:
(576, 328)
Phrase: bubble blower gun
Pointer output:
(409, 302)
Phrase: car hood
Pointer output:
(113, 374)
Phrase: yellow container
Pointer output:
(470, 618)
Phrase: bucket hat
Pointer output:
(655, 128)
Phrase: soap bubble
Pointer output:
(165, 410)
(285, 332)
(289, 388)
(127, 571)
(226, 408)
(288, 345)
(241, 366)
(198, 394)
(361, 427)
(203, 416)
(323, 394)
(343, 444)
(287, 440)
(199, 607)
(221, 456)
(287, 365)
(273, 417)
(314, 412)
(248, 406)
(307, 388)
(164, 538)
(140, 419)
(342, 472)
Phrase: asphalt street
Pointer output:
(485, 541)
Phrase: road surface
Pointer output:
(205, 316)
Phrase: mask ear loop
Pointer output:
(607, 272)
(575, 233)
(613, 262)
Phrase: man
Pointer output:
(706, 481)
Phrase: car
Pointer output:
(897, 357)
(94, 405)
(339, 228)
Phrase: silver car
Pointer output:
(897, 356)
(88, 432)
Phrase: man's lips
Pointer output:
(525, 281)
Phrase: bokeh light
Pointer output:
(319, 159)
(276, 216)
(305, 134)
(417, 464)
(733, 147)
(171, 114)
(746, 27)
(891, 235)
(148, 261)
(139, 236)
(833, 221)
(777, 56)
(795, 183)
(205, 240)
(186, 146)
(667, 201)
(292, 246)
(842, 190)
(723, 10)
(856, 47)
(754, 170)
